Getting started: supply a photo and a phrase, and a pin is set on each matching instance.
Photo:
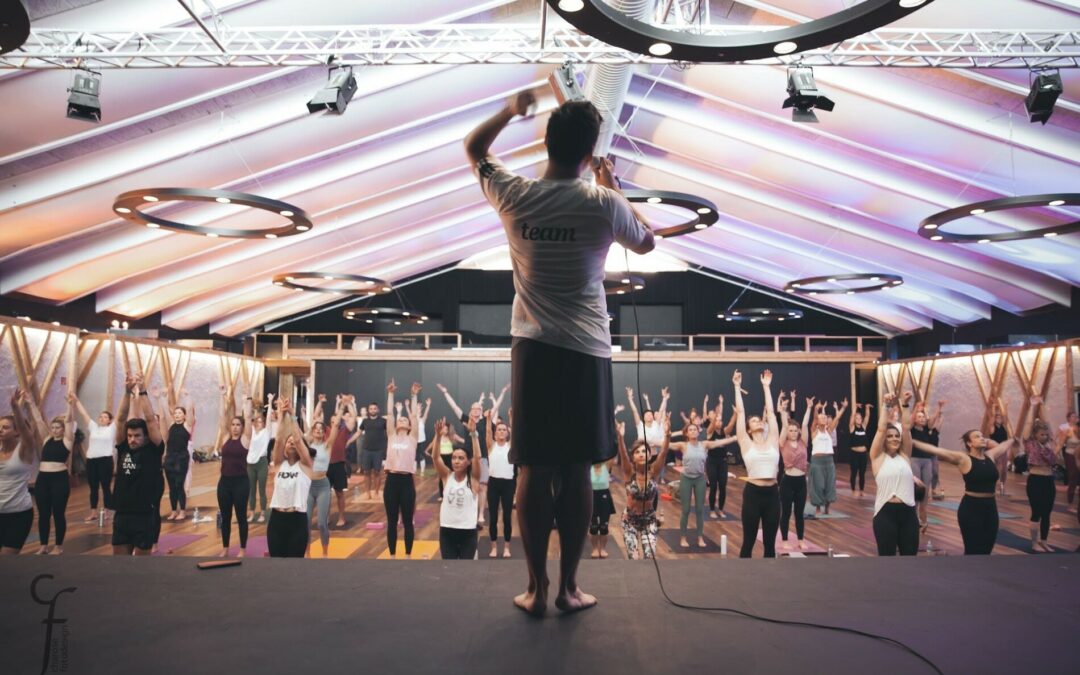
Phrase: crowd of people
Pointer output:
(132, 456)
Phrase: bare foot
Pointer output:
(240, 554)
(603, 553)
(683, 543)
(721, 514)
(701, 542)
(57, 550)
(494, 553)
(90, 518)
(533, 604)
(802, 545)
(785, 545)
(42, 551)
(224, 553)
(595, 554)
(506, 551)
(340, 523)
(574, 601)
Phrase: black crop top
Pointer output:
(54, 451)
(983, 476)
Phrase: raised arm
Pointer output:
(877, 446)
(248, 407)
(433, 449)
(475, 438)
(36, 420)
(939, 417)
(69, 432)
(960, 459)
(1006, 446)
(497, 403)
(665, 396)
(414, 411)
(661, 459)
(478, 142)
(624, 457)
(837, 414)
(633, 407)
(146, 409)
(122, 411)
(805, 433)
(163, 420)
(905, 425)
(740, 413)
(390, 421)
(770, 412)
(450, 400)
(189, 406)
(29, 444)
(85, 420)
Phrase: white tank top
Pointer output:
(894, 479)
(762, 463)
(458, 510)
(321, 461)
(822, 444)
(100, 440)
(499, 465)
(14, 479)
(291, 487)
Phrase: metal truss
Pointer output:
(508, 43)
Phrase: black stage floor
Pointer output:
(969, 615)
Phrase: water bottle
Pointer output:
(723, 544)
(195, 518)
(929, 547)
(830, 551)
(101, 518)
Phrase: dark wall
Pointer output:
(700, 297)
(688, 382)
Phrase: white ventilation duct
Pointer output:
(606, 84)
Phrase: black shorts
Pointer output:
(15, 528)
(371, 460)
(135, 529)
(562, 406)
(338, 475)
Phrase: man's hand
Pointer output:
(520, 103)
(604, 171)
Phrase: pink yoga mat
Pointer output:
(169, 543)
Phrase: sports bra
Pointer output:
(635, 493)
(54, 451)
(983, 476)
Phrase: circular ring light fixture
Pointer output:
(704, 212)
(930, 228)
(760, 314)
(369, 285)
(621, 284)
(827, 285)
(385, 315)
(14, 26)
(127, 206)
(600, 20)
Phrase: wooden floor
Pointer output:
(364, 535)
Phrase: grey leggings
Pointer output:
(692, 486)
(822, 480)
(257, 477)
(319, 496)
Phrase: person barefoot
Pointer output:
(561, 355)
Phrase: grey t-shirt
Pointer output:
(559, 233)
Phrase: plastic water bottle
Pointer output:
(929, 547)
(101, 518)
(830, 551)
(195, 518)
(723, 544)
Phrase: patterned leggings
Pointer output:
(641, 526)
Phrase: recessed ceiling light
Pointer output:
(719, 316)
(984, 241)
(303, 228)
(832, 280)
(350, 314)
(212, 235)
(620, 292)
(328, 277)
(729, 319)
(299, 290)
(660, 49)
(153, 226)
(223, 200)
(638, 287)
(850, 293)
(278, 283)
(700, 226)
(374, 311)
(1050, 234)
(571, 5)
(911, 3)
(930, 226)
(397, 323)
(780, 319)
(704, 210)
(936, 237)
(55, 323)
(735, 314)
(386, 289)
(424, 318)
(124, 209)
(368, 321)
(405, 314)
(977, 212)
(290, 278)
(1056, 202)
(271, 236)
(790, 290)
(813, 292)
(286, 213)
(875, 278)
(785, 47)
(654, 200)
(765, 311)
(149, 198)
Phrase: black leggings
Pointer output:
(760, 505)
(896, 526)
(232, 495)
(858, 468)
(99, 472)
(176, 478)
(978, 518)
(501, 493)
(1041, 494)
(457, 544)
(287, 534)
(51, 493)
(716, 472)
(792, 498)
(399, 498)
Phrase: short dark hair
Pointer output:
(572, 131)
(137, 423)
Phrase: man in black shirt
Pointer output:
(373, 449)
(139, 483)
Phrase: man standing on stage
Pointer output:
(559, 228)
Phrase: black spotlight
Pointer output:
(83, 101)
(1043, 95)
(336, 93)
(803, 95)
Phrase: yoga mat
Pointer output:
(611, 548)
(168, 544)
(423, 549)
(727, 517)
(375, 526)
(1019, 543)
(340, 547)
(835, 515)
(83, 542)
(351, 519)
(952, 506)
(811, 547)
(670, 537)
(422, 517)
(256, 548)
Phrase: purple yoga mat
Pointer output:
(169, 543)
(423, 517)
(256, 548)
(374, 526)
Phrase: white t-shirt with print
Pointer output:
(559, 233)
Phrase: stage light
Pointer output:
(1043, 95)
(803, 95)
(83, 103)
(124, 325)
(564, 83)
(115, 323)
(336, 93)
